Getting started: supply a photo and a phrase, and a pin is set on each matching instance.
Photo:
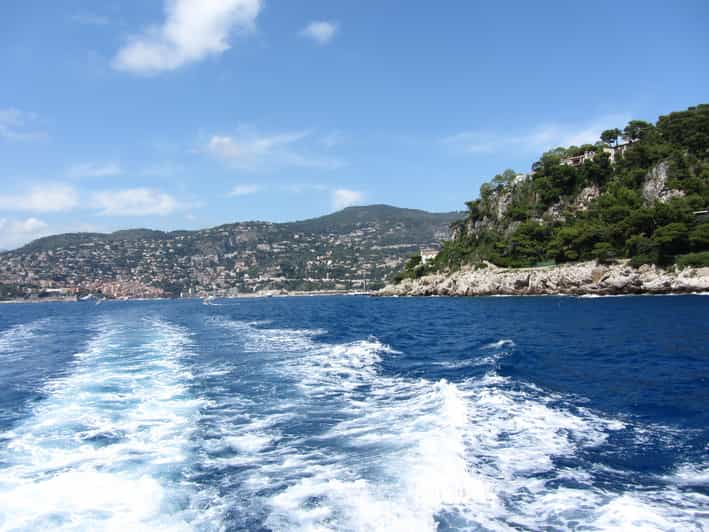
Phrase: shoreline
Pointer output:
(380, 295)
(315, 293)
(585, 279)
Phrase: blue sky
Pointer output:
(190, 113)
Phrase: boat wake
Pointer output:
(356, 449)
(16, 341)
(109, 446)
(274, 428)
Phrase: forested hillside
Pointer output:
(637, 193)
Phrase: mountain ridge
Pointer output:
(352, 249)
(140, 232)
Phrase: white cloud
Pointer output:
(235, 149)
(44, 198)
(539, 139)
(320, 31)
(343, 197)
(253, 151)
(135, 202)
(106, 169)
(16, 125)
(244, 190)
(14, 233)
(192, 30)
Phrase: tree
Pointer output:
(642, 250)
(699, 237)
(485, 191)
(413, 262)
(474, 212)
(688, 128)
(610, 136)
(603, 252)
(671, 239)
(636, 130)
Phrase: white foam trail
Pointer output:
(257, 340)
(420, 455)
(420, 466)
(691, 475)
(108, 446)
(505, 342)
(15, 342)
(501, 348)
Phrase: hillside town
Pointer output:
(231, 260)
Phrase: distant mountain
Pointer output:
(349, 249)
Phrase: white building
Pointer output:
(428, 254)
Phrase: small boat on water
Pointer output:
(209, 300)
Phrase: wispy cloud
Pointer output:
(250, 151)
(302, 188)
(135, 202)
(343, 197)
(541, 138)
(244, 190)
(51, 197)
(320, 31)
(339, 197)
(18, 125)
(330, 140)
(94, 169)
(16, 232)
(191, 31)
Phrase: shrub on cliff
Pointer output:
(698, 260)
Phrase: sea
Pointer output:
(356, 414)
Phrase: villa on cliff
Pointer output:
(428, 254)
(612, 151)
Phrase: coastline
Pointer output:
(313, 293)
(580, 279)
(586, 279)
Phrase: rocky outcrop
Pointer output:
(655, 185)
(584, 198)
(587, 278)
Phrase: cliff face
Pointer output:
(586, 278)
(499, 204)
(655, 186)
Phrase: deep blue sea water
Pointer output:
(351, 413)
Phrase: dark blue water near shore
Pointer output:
(350, 413)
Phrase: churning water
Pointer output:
(349, 413)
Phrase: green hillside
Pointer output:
(637, 193)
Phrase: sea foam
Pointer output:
(415, 454)
(107, 447)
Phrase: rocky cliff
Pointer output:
(586, 278)
(645, 199)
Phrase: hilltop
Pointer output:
(354, 248)
(638, 197)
